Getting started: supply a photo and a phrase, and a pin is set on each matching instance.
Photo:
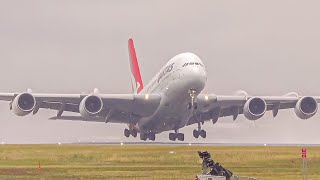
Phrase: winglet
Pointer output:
(137, 84)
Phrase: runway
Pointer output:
(193, 144)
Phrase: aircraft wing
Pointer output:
(212, 107)
(117, 108)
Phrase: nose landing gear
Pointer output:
(199, 132)
(192, 103)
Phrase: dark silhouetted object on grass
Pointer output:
(209, 167)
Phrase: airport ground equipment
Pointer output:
(209, 177)
(209, 167)
(214, 171)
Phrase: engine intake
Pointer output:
(90, 106)
(306, 107)
(23, 104)
(254, 108)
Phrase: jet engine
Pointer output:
(254, 108)
(306, 107)
(23, 104)
(90, 106)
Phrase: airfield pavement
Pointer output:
(151, 161)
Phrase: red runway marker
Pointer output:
(304, 153)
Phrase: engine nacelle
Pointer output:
(254, 108)
(306, 107)
(90, 106)
(23, 104)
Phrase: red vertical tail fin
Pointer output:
(137, 84)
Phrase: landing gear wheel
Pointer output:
(126, 132)
(203, 133)
(180, 136)
(152, 136)
(196, 133)
(189, 105)
(134, 133)
(172, 136)
(143, 136)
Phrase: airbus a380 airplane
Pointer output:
(171, 101)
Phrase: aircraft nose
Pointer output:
(193, 72)
(197, 78)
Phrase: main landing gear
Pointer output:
(192, 103)
(199, 132)
(132, 132)
(150, 135)
(143, 136)
(176, 135)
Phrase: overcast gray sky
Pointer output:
(264, 47)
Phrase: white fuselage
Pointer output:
(174, 81)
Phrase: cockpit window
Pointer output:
(192, 63)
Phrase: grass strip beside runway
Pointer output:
(150, 162)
